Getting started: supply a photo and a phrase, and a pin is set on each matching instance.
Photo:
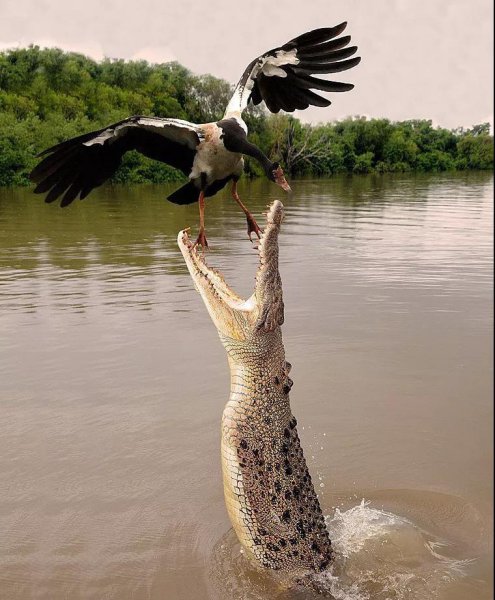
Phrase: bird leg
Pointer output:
(252, 225)
(201, 239)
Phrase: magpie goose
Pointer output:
(209, 154)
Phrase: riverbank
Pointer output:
(48, 95)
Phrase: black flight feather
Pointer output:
(314, 83)
(318, 50)
(316, 36)
(331, 67)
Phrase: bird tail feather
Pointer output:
(187, 194)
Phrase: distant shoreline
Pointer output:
(48, 95)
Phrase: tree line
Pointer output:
(48, 95)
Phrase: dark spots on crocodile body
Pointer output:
(324, 564)
(284, 448)
(315, 547)
(277, 381)
(272, 547)
(286, 433)
(267, 420)
(282, 542)
(286, 516)
(293, 423)
(286, 389)
(288, 495)
(295, 553)
(244, 444)
(295, 491)
(257, 541)
(278, 487)
(293, 541)
(300, 528)
(288, 470)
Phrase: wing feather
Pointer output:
(308, 67)
(319, 49)
(332, 56)
(77, 166)
(282, 77)
(317, 36)
(308, 82)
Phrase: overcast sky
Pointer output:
(420, 58)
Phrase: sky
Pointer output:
(421, 59)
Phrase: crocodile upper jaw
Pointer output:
(233, 316)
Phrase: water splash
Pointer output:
(384, 556)
(352, 528)
(379, 555)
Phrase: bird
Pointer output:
(209, 154)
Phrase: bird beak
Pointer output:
(280, 179)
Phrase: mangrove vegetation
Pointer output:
(48, 95)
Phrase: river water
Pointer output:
(113, 382)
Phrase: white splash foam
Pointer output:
(380, 556)
(351, 529)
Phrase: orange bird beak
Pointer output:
(280, 179)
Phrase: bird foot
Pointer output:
(201, 240)
(252, 227)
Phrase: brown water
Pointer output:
(113, 381)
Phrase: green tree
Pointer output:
(48, 95)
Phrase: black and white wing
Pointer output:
(77, 166)
(283, 78)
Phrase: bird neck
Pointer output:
(256, 153)
(235, 140)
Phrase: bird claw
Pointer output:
(253, 228)
(201, 240)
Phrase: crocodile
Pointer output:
(269, 494)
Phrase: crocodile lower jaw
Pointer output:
(234, 316)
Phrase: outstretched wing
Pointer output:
(283, 78)
(77, 166)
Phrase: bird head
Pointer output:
(276, 175)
